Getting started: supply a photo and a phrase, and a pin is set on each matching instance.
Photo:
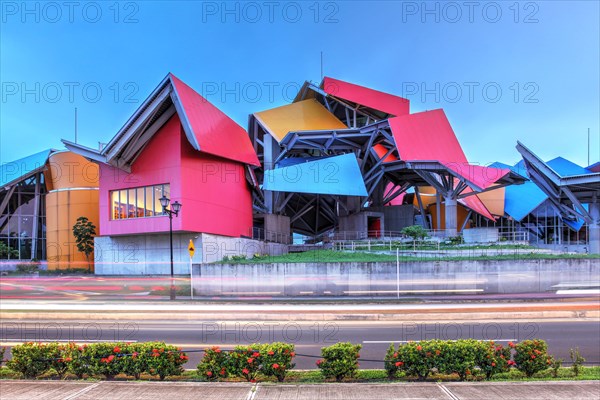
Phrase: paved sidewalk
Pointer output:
(77, 390)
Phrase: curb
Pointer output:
(320, 316)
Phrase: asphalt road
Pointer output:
(309, 337)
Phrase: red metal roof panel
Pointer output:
(214, 132)
(388, 103)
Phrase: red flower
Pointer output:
(183, 357)
(293, 354)
(103, 360)
(395, 355)
(117, 349)
(253, 380)
(271, 353)
(493, 364)
(111, 357)
(319, 362)
(245, 371)
(275, 366)
(68, 359)
(250, 360)
(256, 355)
(428, 354)
(155, 355)
(208, 373)
(222, 372)
(533, 357)
(217, 350)
(511, 344)
(437, 352)
(399, 364)
(419, 348)
(468, 372)
(155, 350)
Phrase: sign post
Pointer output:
(191, 250)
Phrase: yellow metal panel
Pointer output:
(427, 196)
(304, 115)
(493, 201)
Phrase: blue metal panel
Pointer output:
(339, 175)
(15, 170)
(520, 200)
(566, 168)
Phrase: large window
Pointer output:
(138, 202)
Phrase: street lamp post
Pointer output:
(175, 207)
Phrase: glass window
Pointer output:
(157, 195)
(148, 205)
(123, 204)
(116, 205)
(139, 204)
(131, 203)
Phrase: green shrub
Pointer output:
(577, 360)
(416, 232)
(419, 358)
(556, 365)
(134, 359)
(214, 364)
(391, 363)
(164, 360)
(493, 358)
(56, 353)
(105, 359)
(277, 359)
(245, 361)
(28, 267)
(30, 359)
(532, 356)
(2, 351)
(339, 360)
(78, 360)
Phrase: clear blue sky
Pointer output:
(242, 56)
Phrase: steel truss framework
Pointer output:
(315, 214)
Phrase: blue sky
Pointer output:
(503, 71)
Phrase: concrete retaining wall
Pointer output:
(379, 279)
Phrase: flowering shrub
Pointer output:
(57, 358)
(164, 360)
(105, 359)
(30, 359)
(461, 357)
(339, 360)
(2, 350)
(277, 359)
(78, 359)
(532, 356)
(493, 358)
(214, 364)
(392, 363)
(418, 358)
(245, 361)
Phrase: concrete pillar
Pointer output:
(450, 211)
(594, 227)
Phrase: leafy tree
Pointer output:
(6, 251)
(417, 232)
(84, 231)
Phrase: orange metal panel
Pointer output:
(306, 115)
(494, 201)
(69, 170)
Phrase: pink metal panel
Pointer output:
(215, 132)
(426, 136)
(381, 101)
(158, 163)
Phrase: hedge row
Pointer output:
(105, 359)
(338, 361)
(462, 357)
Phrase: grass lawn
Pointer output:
(364, 256)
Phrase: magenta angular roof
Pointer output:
(211, 130)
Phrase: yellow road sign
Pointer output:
(191, 248)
